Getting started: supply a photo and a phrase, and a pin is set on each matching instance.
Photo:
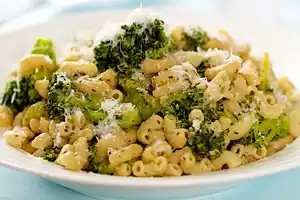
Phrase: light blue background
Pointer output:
(16, 185)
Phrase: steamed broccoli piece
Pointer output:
(97, 165)
(266, 74)
(63, 96)
(94, 115)
(194, 38)
(20, 93)
(59, 97)
(34, 111)
(131, 46)
(206, 143)
(51, 154)
(265, 131)
(46, 47)
(137, 93)
(181, 104)
(129, 118)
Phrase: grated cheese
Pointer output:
(105, 129)
(72, 93)
(57, 141)
(110, 29)
(141, 16)
(216, 57)
(196, 124)
(83, 52)
(187, 71)
(112, 108)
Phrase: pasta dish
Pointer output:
(139, 99)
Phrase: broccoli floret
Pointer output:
(206, 143)
(51, 154)
(91, 110)
(129, 118)
(137, 93)
(94, 115)
(194, 38)
(264, 131)
(44, 46)
(34, 111)
(63, 96)
(20, 93)
(97, 165)
(181, 104)
(131, 46)
(59, 97)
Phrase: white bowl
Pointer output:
(15, 45)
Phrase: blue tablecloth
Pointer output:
(16, 185)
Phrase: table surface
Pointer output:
(21, 186)
(16, 185)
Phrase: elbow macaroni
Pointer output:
(42, 87)
(42, 141)
(157, 167)
(74, 157)
(71, 68)
(95, 87)
(109, 77)
(187, 161)
(123, 169)
(31, 62)
(270, 111)
(125, 154)
(6, 116)
(151, 130)
(118, 139)
(241, 128)
(175, 157)
(116, 94)
(173, 170)
(227, 158)
(177, 138)
(150, 66)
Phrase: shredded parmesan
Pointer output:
(187, 71)
(196, 124)
(140, 16)
(57, 141)
(84, 52)
(216, 56)
(110, 29)
(112, 108)
(105, 129)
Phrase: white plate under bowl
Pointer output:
(278, 40)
